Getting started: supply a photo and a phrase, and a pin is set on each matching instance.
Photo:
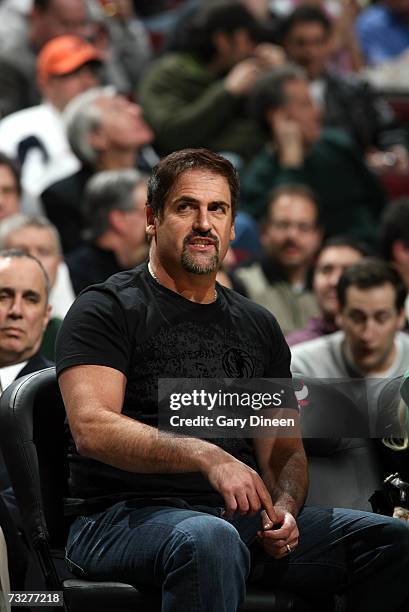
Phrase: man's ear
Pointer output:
(97, 139)
(264, 235)
(232, 232)
(400, 252)
(221, 42)
(273, 117)
(339, 319)
(116, 220)
(401, 319)
(47, 316)
(150, 222)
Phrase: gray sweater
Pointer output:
(324, 358)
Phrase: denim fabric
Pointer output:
(201, 561)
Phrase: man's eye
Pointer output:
(325, 270)
(218, 208)
(383, 317)
(357, 317)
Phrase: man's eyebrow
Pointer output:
(221, 202)
(185, 199)
(31, 293)
(196, 201)
(380, 311)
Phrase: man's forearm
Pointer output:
(287, 482)
(136, 447)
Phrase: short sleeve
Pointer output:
(280, 355)
(279, 362)
(94, 332)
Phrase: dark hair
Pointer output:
(368, 273)
(304, 14)
(290, 189)
(14, 169)
(347, 241)
(217, 16)
(42, 5)
(269, 92)
(106, 191)
(394, 226)
(168, 170)
(19, 253)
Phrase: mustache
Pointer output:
(198, 234)
(289, 243)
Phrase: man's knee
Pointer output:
(211, 541)
(395, 534)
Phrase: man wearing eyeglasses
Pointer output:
(280, 280)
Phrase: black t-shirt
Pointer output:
(146, 331)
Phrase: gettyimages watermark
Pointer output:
(227, 408)
(252, 408)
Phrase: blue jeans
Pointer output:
(201, 561)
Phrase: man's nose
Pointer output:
(293, 231)
(89, 79)
(202, 220)
(16, 308)
(334, 278)
(368, 330)
(134, 109)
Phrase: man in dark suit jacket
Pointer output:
(24, 315)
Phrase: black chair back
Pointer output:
(34, 447)
(32, 435)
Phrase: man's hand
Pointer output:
(401, 513)
(288, 138)
(242, 77)
(269, 56)
(395, 159)
(279, 533)
(241, 487)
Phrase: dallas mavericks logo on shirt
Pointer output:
(238, 364)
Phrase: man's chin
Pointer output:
(371, 363)
(200, 265)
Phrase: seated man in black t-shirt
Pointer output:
(183, 513)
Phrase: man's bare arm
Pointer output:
(283, 466)
(284, 470)
(93, 397)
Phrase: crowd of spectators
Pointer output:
(296, 94)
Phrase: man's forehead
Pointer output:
(338, 255)
(307, 30)
(31, 233)
(21, 271)
(6, 175)
(104, 102)
(201, 182)
(292, 206)
(68, 9)
(370, 299)
(109, 103)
